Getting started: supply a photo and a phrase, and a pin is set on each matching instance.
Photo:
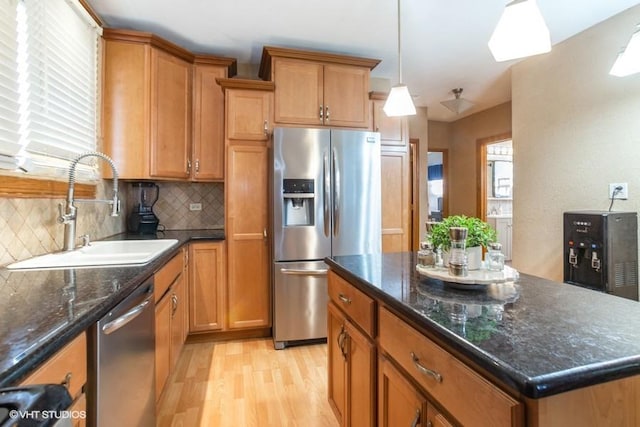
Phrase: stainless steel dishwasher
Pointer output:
(122, 369)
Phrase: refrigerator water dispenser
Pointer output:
(298, 196)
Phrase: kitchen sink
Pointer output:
(102, 253)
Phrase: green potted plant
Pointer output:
(479, 234)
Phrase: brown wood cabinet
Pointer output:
(248, 118)
(207, 287)
(318, 89)
(148, 101)
(170, 318)
(394, 131)
(351, 354)
(395, 199)
(69, 367)
(399, 402)
(208, 117)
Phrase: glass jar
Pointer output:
(457, 254)
(495, 257)
(426, 255)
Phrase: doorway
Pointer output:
(437, 183)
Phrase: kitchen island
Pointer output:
(549, 353)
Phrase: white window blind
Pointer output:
(57, 62)
(10, 145)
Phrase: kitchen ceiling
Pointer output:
(444, 42)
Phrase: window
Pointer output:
(48, 86)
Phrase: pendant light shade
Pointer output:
(457, 105)
(628, 61)
(520, 32)
(399, 102)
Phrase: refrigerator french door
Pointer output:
(326, 201)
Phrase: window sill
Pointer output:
(29, 188)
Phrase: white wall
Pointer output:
(575, 130)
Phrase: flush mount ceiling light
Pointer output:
(399, 102)
(457, 105)
(520, 32)
(628, 61)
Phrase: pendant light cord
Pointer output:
(399, 48)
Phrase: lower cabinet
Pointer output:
(171, 318)
(396, 205)
(69, 367)
(351, 371)
(207, 287)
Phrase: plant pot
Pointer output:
(474, 257)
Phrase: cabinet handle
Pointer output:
(266, 128)
(416, 419)
(321, 114)
(424, 370)
(344, 299)
(188, 166)
(264, 233)
(174, 304)
(326, 113)
(197, 165)
(67, 380)
(429, 424)
(342, 336)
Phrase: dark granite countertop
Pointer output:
(537, 337)
(42, 310)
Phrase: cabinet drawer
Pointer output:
(167, 275)
(465, 394)
(359, 307)
(68, 366)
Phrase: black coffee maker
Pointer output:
(142, 220)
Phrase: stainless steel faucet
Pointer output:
(68, 213)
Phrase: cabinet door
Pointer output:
(337, 362)
(208, 124)
(163, 343)
(399, 402)
(396, 211)
(170, 116)
(392, 129)
(178, 319)
(248, 114)
(207, 287)
(248, 252)
(298, 95)
(346, 96)
(361, 374)
(503, 231)
(436, 418)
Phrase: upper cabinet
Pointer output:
(318, 89)
(151, 89)
(393, 130)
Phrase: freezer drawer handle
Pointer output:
(114, 325)
(296, 272)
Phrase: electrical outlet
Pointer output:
(623, 194)
(195, 206)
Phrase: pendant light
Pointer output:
(457, 105)
(628, 61)
(520, 32)
(399, 102)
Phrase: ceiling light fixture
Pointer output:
(628, 61)
(520, 32)
(399, 102)
(457, 105)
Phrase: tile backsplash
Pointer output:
(29, 227)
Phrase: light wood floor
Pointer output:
(247, 383)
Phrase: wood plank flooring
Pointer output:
(247, 383)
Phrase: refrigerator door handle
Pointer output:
(336, 194)
(302, 272)
(325, 193)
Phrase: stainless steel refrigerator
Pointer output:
(326, 201)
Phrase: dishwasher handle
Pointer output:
(121, 321)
